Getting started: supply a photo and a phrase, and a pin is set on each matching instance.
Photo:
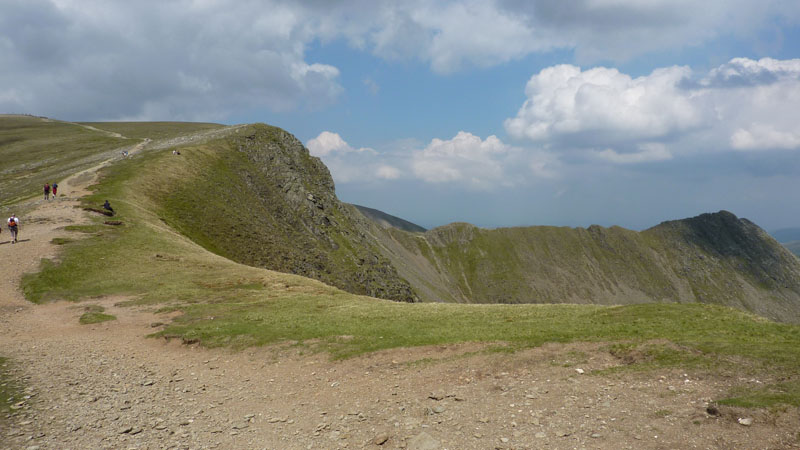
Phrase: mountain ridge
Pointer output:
(288, 218)
(255, 195)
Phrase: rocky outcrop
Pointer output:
(260, 199)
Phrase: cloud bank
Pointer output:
(465, 160)
(209, 60)
(573, 119)
(741, 105)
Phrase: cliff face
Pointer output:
(259, 198)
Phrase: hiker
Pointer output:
(107, 206)
(55, 189)
(47, 191)
(13, 227)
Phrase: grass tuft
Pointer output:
(10, 391)
(95, 314)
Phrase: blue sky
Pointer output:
(498, 113)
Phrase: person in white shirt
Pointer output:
(13, 227)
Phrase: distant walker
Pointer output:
(13, 227)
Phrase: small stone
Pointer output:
(747, 421)
(580, 371)
(438, 409)
(504, 440)
(596, 435)
(380, 439)
(125, 430)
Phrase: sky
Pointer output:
(498, 113)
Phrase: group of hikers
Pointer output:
(47, 189)
(13, 221)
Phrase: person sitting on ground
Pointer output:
(13, 227)
(107, 206)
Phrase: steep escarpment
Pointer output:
(712, 258)
(256, 196)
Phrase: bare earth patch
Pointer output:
(108, 386)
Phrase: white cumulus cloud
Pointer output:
(348, 164)
(748, 72)
(741, 105)
(151, 60)
(466, 160)
(477, 163)
(764, 136)
(602, 106)
(326, 143)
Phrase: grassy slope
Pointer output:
(34, 152)
(225, 303)
(234, 203)
(153, 130)
(715, 258)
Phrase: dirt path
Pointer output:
(108, 386)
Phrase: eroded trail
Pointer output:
(109, 386)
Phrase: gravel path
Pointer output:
(109, 386)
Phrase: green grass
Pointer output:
(95, 317)
(787, 393)
(10, 391)
(228, 304)
(34, 152)
(153, 130)
(94, 314)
